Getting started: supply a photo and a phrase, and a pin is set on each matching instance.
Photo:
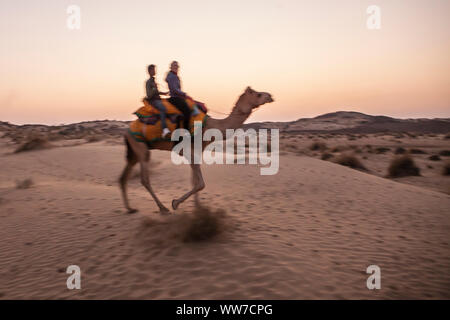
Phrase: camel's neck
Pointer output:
(234, 120)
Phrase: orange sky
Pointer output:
(313, 56)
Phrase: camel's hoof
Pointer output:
(175, 204)
(130, 211)
(164, 211)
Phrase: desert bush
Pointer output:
(446, 169)
(434, 157)
(35, 143)
(400, 150)
(291, 147)
(351, 161)
(318, 146)
(24, 184)
(403, 166)
(416, 151)
(326, 156)
(91, 139)
(381, 150)
(445, 153)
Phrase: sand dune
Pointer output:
(308, 232)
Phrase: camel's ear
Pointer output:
(249, 90)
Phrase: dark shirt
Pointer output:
(174, 85)
(152, 89)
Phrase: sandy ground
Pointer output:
(308, 232)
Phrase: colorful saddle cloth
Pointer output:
(147, 128)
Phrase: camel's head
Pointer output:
(252, 99)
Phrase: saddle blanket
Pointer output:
(147, 128)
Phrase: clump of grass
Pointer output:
(416, 151)
(446, 169)
(34, 143)
(351, 161)
(318, 146)
(381, 150)
(403, 166)
(326, 156)
(445, 153)
(291, 147)
(434, 157)
(91, 139)
(24, 184)
(400, 150)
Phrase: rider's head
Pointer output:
(151, 70)
(174, 66)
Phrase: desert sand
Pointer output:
(308, 232)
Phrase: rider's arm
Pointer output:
(151, 89)
(174, 86)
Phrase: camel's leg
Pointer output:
(145, 180)
(199, 184)
(123, 183)
(131, 161)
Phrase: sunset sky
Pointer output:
(312, 56)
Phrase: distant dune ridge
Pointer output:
(356, 122)
(336, 122)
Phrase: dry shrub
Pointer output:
(445, 153)
(416, 151)
(403, 166)
(318, 146)
(289, 146)
(24, 184)
(326, 156)
(446, 169)
(351, 161)
(434, 157)
(91, 139)
(336, 149)
(34, 143)
(400, 150)
(381, 150)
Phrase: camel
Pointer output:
(138, 152)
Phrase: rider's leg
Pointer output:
(181, 105)
(162, 112)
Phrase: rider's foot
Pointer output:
(165, 132)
